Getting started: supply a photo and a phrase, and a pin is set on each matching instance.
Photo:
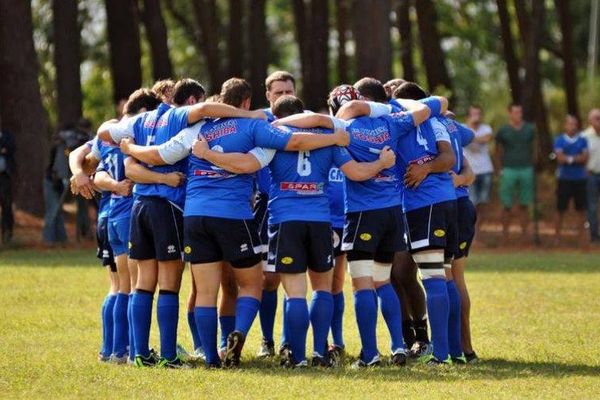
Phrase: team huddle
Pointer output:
(257, 198)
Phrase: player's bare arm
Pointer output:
(140, 174)
(147, 154)
(306, 121)
(220, 110)
(466, 177)
(105, 182)
(103, 131)
(416, 173)
(81, 170)
(237, 163)
(362, 171)
(304, 141)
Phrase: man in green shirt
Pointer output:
(514, 153)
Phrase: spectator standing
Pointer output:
(571, 151)
(478, 155)
(7, 168)
(514, 151)
(592, 135)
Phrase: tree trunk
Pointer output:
(372, 37)
(534, 108)
(125, 52)
(510, 57)
(302, 37)
(156, 31)
(569, 71)
(342, 28)
(406, 40)
(235, 39)
(258, 46)
(67, 59)
(431, 49)
(21, 109)
(207, 17)
(319, 52)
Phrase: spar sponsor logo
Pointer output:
(302, 188)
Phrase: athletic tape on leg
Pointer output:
(360, 268)
(381, 272)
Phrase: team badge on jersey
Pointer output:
(439, 233)
(187, 249)
(365, 237)
(287, 260)
(463, 245)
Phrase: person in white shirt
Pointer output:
(592, 134)
(478, 155)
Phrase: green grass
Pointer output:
(535, 325)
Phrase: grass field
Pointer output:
(536, 320)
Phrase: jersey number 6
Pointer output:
(304, 168)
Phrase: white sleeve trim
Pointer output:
(264, 156)
(179, 146)
(441, 134)
(379, 109)
(339, 123)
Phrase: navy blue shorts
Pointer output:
(104, 251)
(118, 235)
(433, 227)
(261, 217)
(156, 230)
(467, 216)
(338, 233)
(374, 231)
(212, 239)
(295, 246)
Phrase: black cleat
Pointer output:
(420, 349)
(150, 361)
(359, 364)
(399, 358)
(233, 352)
(284, 352)
(336, 355)
(471, 358)
(320, 361)
(267, 349)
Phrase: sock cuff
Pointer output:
(384, 288)
(364, 292)
(269, 292)
(247, 300)
(167, 300)
(226, 317)
(293, 300)
(167, 293)
(339, 295)
(206, 311)
(142, 292)
(322, 295)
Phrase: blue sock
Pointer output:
(296, 311)
(246, 309)
(268, 309)
(337, 319)
(167, 312)
(227, 323)
(365, 308)
(321, 311)
(454, 321)
(108, 324)
(130, 322)
(437, 310)
(121, 327)
(194, 330)
(392, 314)
(141, 315)
(284, 333)
(206, 322)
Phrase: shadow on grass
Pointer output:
(493, 369)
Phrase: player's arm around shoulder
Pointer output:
(305, 121)
(362, 171)
(220, 110)
(237, 163)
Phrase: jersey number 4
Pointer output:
(421, 140)
(304, 167)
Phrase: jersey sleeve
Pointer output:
(439, 130)
(179, 146)
(379, 109)
(122, 129)
(179, 117)
(341, 156)
(466, 134)
(339, 123)
(101, 167)
(95, 150)
(401, 122)
(268, 136)
(264, 156)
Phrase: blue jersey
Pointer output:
(214, 192)
(368, 136)
(460, 136)
(155, 128)
(396, 107)
(336, 195)
(419, 148)
(263, 177)
(299, 182)
(103, 202)
(571, 146)
(112, 162)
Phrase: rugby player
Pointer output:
(372, 232)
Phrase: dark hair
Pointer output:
(164, 90)
(371, 89)
(286, 106)
(141, 98)
(279, 76)
(184, 88)
(411, 91)
(391, 85)
(513, 104)
(235, 91)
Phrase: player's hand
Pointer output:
(124, 187)
(82, 184)
(387, 157)
(200, 147)
(258, 114)
(456, 180)
(173, 179)
(124, 145)
(342, 138)
(450, 114)
(415, 174)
